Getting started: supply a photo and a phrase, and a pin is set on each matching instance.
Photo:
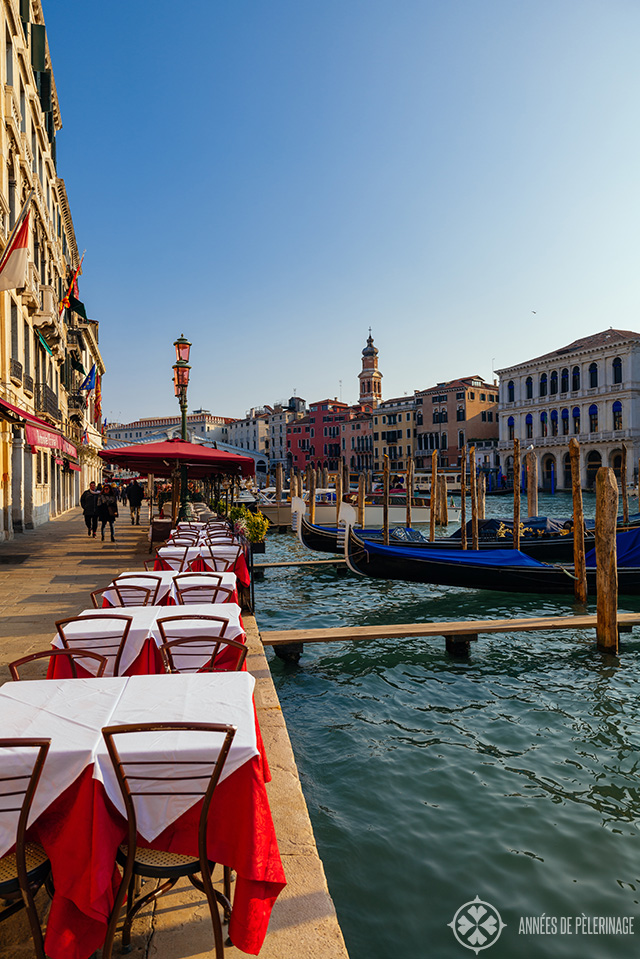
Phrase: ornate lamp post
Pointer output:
(181, 371)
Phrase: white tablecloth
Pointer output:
(145, 626)
(166, 588)
(72, 712)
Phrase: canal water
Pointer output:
(511, 776)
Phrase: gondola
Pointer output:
(503, 570)
(327, 539)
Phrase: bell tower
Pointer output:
(370, 377)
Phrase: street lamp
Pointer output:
(181, 371)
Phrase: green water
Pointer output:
(511, 776)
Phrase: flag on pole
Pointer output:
(13, 264)
(90, 380)
(85, 438)
(97, 404)
(65, 303)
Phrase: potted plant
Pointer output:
(256, 526)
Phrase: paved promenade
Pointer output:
(47, 574)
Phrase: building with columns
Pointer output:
(589, 389)
(50, 430)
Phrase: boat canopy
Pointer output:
(464, 557)
(627, 549)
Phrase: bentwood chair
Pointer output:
(23, 871)
(152, 583)
(126, 595)
(193, 643)
(66, 655)
(105, 635)
(201, 588)
(165, 777)
(220, 564)
(177, 562)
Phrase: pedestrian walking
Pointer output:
(107, 509)
(135, 495)
(89, 504)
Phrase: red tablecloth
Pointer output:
(81, 830)
(199, 565)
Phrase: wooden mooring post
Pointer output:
(385, 502)
(312, 497)
(606, 560)
(463, 498)
(443, 512)
(623, 484)
(362, 482)
(409, 486)
(532, 483)
(433, 499)
(474, 498)
(516, 493)
(579, 564)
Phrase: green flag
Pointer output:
(77, 307)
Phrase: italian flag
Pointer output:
(13, 262)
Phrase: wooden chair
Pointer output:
(127, 594)
(178, 562)
(201, 639)
(208, 590)
(183, 540)
(23, 871)
(70, 655)
(220, 564)
(154, 863)
(194, 648)
(152, 583)
(109, 640)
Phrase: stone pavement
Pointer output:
(47, 574)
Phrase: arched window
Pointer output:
(436, 416)
(460, 413)
(529, 388)
(543, 384)
(617, 370)
(554, 422)
(460, 439)
(529, 426)
(543, 424)
(576, 419)
(593, 418)
(565, 421)
(593, 375)
(510, 427)
(443, 415)
(575, 379)
(617, 415)
(511, 392)
(564, 381)
(553, 382)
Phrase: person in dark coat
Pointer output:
(107, 509)
(135, 495)
(89, 504)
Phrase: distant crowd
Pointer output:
(100, 504)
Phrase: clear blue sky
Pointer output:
(272, 177)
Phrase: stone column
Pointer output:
(17, 480)
(28, 487)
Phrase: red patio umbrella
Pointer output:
(161, 459)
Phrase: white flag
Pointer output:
(13, 264)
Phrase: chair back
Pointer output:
(67, 655)
(105, 635)
(221, 564)
(205, 635)
(201, 588)
(201, 654)
(177, 562)
(129, 594)
(183, 539)
(21, 764)
(152, 583)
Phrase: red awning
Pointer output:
(38, 432)
(74, 466)
(161, 458)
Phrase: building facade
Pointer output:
(280, 416)
(316, 438)
(251, 432)
(453, 414)
(589, 389)
(199, 423)
(50, 430)
(394, 432)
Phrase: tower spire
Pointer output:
(370, 376)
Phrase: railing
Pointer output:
(15, 370)
(46, 401)
(76, 401)
(27, 382)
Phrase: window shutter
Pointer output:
(38, 43)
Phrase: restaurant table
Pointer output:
(197, 557)
(167, 595)
(78, 815)
(140, 655)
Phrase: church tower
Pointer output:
(370, 377)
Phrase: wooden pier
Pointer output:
(457, 635)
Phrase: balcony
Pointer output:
(27, 383)
(46, 401)
(31, 289)
(15, 371)
(12, 110)
(46, 319)
(76, 401)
